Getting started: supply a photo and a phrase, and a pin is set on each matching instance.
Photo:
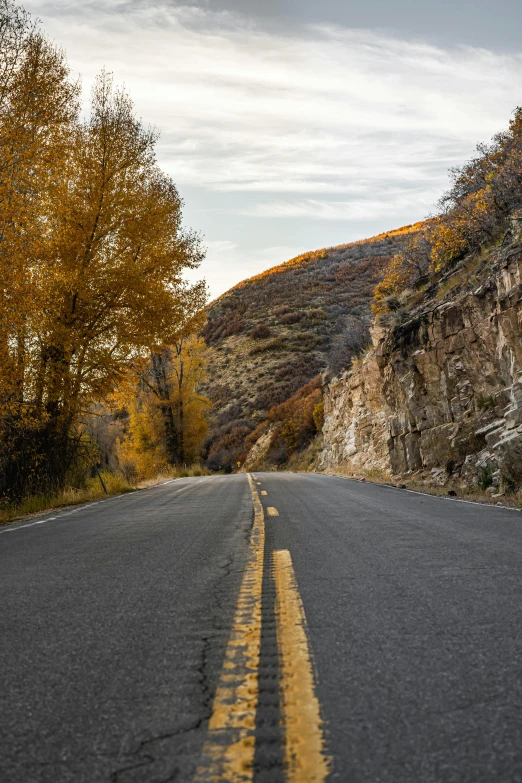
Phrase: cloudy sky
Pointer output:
(298, 124)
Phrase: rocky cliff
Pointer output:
(441, 393)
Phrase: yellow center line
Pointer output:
(305, 757)
(264, 492)
(272, 512)
(228, 753)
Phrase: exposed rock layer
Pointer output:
(441, 391)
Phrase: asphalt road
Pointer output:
(115, 619)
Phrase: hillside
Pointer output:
(437, 400)
(271, 335)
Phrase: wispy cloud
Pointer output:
(389, 202)
(322, 122)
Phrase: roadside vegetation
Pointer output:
(93, 489)
(99, 358)
(476, 213)
(104, 484)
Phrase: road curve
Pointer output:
(367, 634)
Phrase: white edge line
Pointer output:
(12, 528)
(426, 494)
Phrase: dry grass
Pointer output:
(307, 459)
(461, 278)
(165, 475)
(114, 483)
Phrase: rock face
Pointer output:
(355, 425)
(441, 391)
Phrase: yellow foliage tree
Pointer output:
(140, 453)
(395, 280)
(167, 420)
(92, 254)
(476, 211)
(188, 372)
(449, 240)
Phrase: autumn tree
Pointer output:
(475, 212)
(92, 252)
(167, 420)
(38, 108)
(187, 372)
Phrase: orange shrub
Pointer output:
(395, 280)
(294, 419)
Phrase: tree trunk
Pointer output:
(162, 389)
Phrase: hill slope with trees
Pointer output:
(271, 336)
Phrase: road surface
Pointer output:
(280, 627)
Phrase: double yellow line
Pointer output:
(228, 753)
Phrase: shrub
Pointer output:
(304, 341)
(254, 436)
(318, 415)
(475, 212)
(220, 393)
(229, 414)
(216, 329)
(316, 314)
(354, 339)
(277, 344)
(294, 419)
(485, 477)
(386, 295)
(236, 327)
(290, 318)
(260, 332)
(390, 319)
(275, 393)
(225, 445)
(300, 369)
(279, 451)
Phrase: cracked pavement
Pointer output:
(115, 618)
(114, 631)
